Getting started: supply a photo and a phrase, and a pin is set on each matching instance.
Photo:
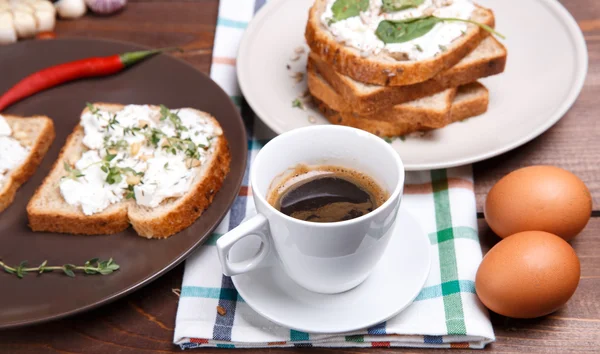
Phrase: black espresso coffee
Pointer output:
(325, 194)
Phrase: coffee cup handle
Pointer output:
(257, 225)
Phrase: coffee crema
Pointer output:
(325, 193)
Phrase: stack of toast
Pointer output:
(391, 95)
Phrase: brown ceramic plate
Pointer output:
(160, 80)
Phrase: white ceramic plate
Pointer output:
(546, 69)
(395, 282)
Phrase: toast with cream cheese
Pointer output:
(353, 47)
(489, 58)
(24, 141)
(152, 167)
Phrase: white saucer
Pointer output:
(394, 284)
(546, 68)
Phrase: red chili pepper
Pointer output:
(59, 74)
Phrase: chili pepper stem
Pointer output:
(130, 58)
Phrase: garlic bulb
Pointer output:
(8, 33)
(25, 18)
(24, 23)
(70, 8)
(45, 15)
(105, 7)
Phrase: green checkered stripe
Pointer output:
(449, 289)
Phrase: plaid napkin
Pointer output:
(446, 314)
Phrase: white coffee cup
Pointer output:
(322, 257)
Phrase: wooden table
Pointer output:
(143, 322)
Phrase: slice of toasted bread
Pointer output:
(48, 211)
(35, 133)
(431, 111)
(488, 59)
(382, 69)
(471, 100)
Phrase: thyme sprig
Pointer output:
(72, 173)
(166, 113)
(174, 144)
(112, 121)
(92, 267)
(95, 110)
(114, 174)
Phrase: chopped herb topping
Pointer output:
(73, 173)
(297, 103)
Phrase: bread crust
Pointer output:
(110, 221)
(195, 202)
(349, 61)
(471, 106)
(20, 175)
(385, 97)
(432, 117)
(118, 217)
(461, 109)
(380, 128)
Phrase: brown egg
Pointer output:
(527, 275)
(543, 198)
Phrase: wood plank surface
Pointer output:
(143, 322)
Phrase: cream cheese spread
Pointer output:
(12, 153)
(359, 31)
(139, 153)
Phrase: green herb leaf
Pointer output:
(109, 157)
(405, 30)
(397, 5)
(155, 136)
(42, 267)
(68, 270)
(21, 269)
(73, 173)
(297, 103)
(401, 31)
(164, 112)
(91, 107)
(116, 145)
(131, 130)
(343, 9)
(113, 122)
(113, 177)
